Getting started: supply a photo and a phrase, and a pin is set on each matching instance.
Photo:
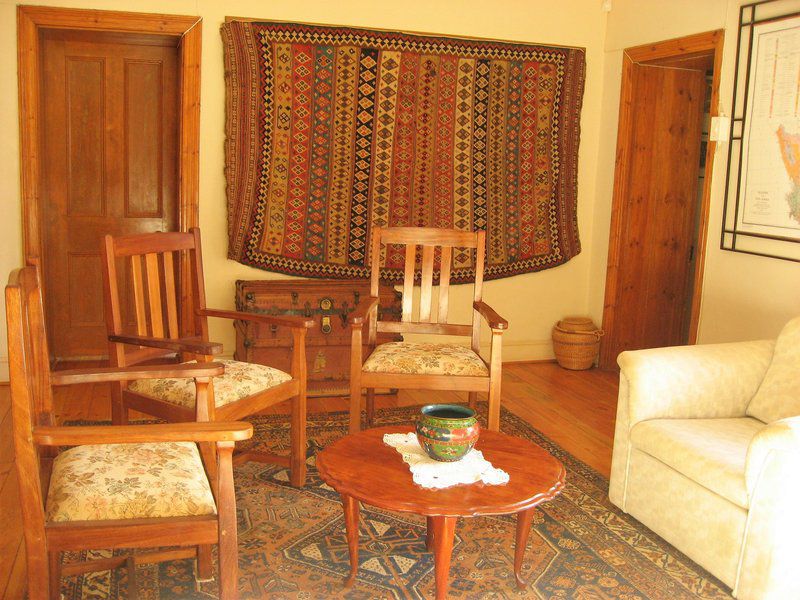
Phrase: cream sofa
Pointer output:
(707, 455)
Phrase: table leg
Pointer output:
(444, 529)
(524, 519)
(429, 535)
(350, 506)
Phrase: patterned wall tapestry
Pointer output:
(334, 130)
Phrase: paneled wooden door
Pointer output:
(110, 165)
(658, 226)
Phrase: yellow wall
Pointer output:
(744, 297)
(532, 303)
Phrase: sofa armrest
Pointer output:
(693, 382)
(775, 442)
(768, 569)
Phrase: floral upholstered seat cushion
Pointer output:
(128, 481)
(425, 359)
(239, 381)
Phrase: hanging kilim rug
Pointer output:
(292, 542)
(333, 130)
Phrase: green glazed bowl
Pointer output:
(447, 431)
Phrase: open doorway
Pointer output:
(661, 194)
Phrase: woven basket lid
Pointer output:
(577, 324)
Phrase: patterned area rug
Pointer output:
(334, 130)
(292, 542)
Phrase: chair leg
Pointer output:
(54, 558)
(228, 543)
(355, 403)
(205, 568)
(208, 454)
(119, 413)
(473, 400)
(297, 474)
(494, 405)
(370, 406)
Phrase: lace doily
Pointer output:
(431, 473)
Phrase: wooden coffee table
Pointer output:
(364, 469)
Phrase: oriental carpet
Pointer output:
(331, 131)
(292, 542)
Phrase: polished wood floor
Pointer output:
(575, 409)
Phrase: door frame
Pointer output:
(187, 31)
(708, 43)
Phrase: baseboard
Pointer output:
(524, 351)
(4, 377)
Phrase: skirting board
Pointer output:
(4, 369)
(529, 350)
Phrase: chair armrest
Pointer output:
(692, 382)
(133, 434)
(487, 312)
(194, 370)
(193, 345)
(361, 312)
(282, 320)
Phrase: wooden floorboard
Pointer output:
(575, 409)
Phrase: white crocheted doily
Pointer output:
(430, 473)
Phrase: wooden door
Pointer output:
(109, 149)
(654, 265)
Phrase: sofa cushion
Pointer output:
(711, 452)
(778, 397)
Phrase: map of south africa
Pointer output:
(790, 153)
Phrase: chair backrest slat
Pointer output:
(138, 295)
(429, 239)
(154, 295)
(408, 281)
(444, 282)
(171, 297)
(427, 283)
(164, 281)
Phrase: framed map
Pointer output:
(762, 203)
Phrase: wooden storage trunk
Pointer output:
(328, 302)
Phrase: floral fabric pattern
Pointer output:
(128, 481)
(425, 359)
(239, 381)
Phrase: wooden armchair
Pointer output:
(414, 365)
(154, 332)
(118, 486)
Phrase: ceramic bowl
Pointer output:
(447, 431)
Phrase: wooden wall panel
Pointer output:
(144, 117)
(85, 290)
(85, 82)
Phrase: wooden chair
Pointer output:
(425, 365)
(118, 486)
(244, 389)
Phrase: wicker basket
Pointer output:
(576, 343)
